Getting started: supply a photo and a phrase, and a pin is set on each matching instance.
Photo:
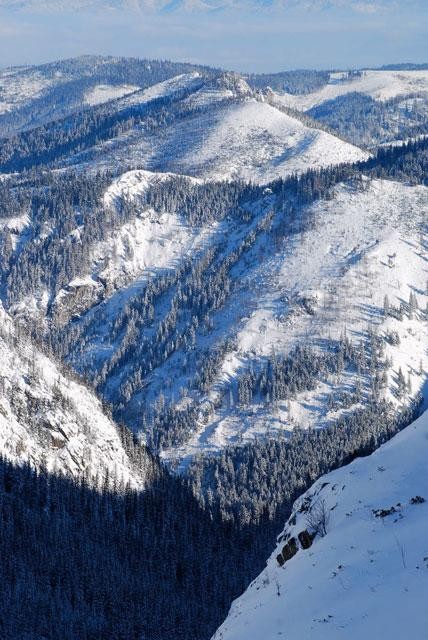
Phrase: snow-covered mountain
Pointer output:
(224, 131)
(352, 560)
(384, 105)
(174, 287)
(34, 95)
(325, 277)
(378, 84)
(245, 292)
(216, 126)
(368, 107)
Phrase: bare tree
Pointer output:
(318, 518)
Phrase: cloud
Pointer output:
(272, 35)
(196, 6)
(363, 7)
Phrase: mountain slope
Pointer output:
(49, 420)
(250, 307)
(378, 84)
(326, 281)
(187, 293)
(366, 572)
(214, 312)
(369, 107)
(223, 131)
(203, 123)
(255, 141)
(34, 95)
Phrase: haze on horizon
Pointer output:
(254, 35)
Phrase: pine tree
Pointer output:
(401, 384)
(386, 306)
(413, 304)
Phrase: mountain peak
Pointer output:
(231, 81)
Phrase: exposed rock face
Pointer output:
(280, 559)
(291, 547)
(289, 550)
(53, 422)
(75, 299)
(232, 82)
(305, 539)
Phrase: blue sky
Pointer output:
(341, 33)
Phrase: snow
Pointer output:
(360, 246)
(18, 86)
(379, 85)
(133, 184)
(102, 93)
(31, 306)
(16, 225)
(342, 260)
(240, 138)
(208, 96)
(224, 87)
(368, 576)
(48, 419)
(149, 243)
(255, 141)
(172, 85)
(162, 89)
(353, 231)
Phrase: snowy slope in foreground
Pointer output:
(368, 577)
(49, 420)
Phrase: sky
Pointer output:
(246, 36)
